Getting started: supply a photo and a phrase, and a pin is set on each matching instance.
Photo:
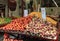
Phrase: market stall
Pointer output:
(31, 26)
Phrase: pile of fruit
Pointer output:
(6, 38)
(33, 25)
(42, 28)
(38, 14)
(18, 24)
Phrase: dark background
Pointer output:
(50, 3)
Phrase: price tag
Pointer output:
(25, 13)
(43, 11)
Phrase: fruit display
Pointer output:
(51, 20)
(42, 28)
(18, 24)
(38, 14)
(34, 26)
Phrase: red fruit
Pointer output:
(6, 35)
(15, 40)
(20, 40)
(6, 39)
(11, 39)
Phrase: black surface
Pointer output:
(1, 36)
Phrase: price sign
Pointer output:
(25, 13)
(43, 11)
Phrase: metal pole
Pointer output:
(6, 9)
(40, 3)
(18, 7)
(26, 5)
(39, 6)
(55, 3)
(22, 7)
